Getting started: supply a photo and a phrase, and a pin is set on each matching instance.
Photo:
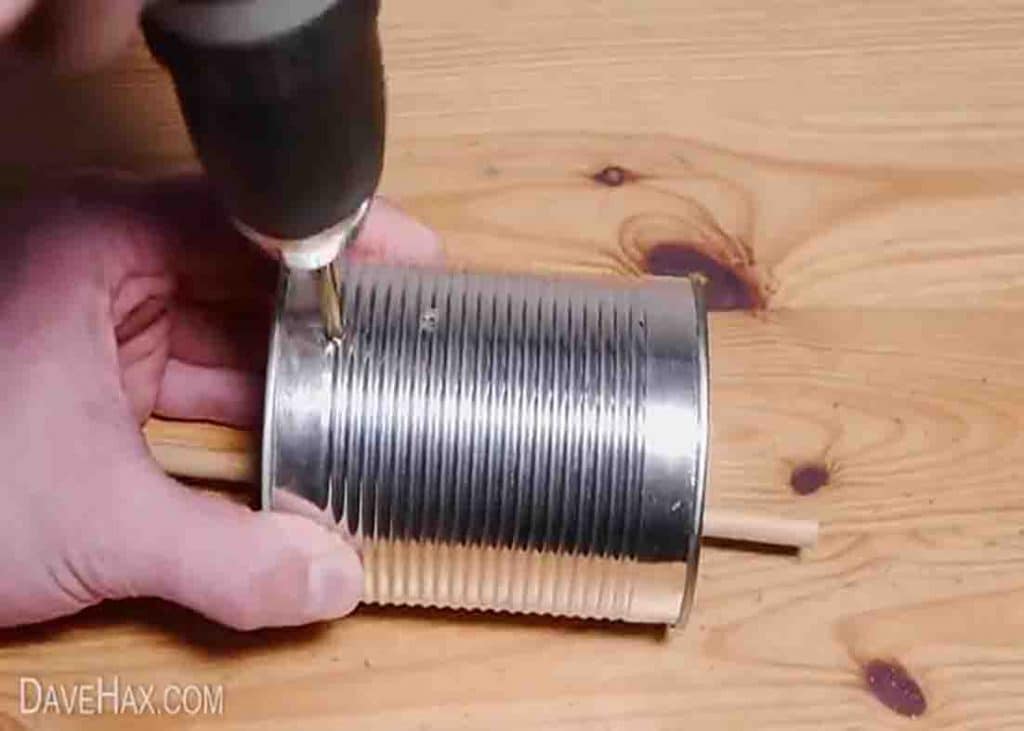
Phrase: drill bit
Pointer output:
(322, 256)
(329, 278)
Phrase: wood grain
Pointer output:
(860, 165)
(920, 422)
(893, 129)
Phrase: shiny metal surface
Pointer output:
(313, 252)
(504, 443)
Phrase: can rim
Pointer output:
(268, 463)
(701, 452)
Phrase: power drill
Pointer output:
(285, 105)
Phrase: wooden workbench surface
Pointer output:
(856, 170)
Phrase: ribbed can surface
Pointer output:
(509, 443)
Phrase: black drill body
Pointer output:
(290, 127)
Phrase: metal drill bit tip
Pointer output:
(329, 278)
(328, 290)
(320, 255)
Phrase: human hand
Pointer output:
(68, 34)
(117, 301)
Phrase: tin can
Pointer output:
(498, 442)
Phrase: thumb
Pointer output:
(236, 566)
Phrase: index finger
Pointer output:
(192, 234)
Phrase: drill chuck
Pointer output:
(285, 106)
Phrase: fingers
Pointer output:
(177, 227)
(390, 235)
(200, 393)
(235, 566)
(72, 35)
(141, 359)
(216, 265)
(213, 337)
(183, 222)
(216, 365)
(11, 14)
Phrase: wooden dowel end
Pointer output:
(760, 529)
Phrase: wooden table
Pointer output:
(852, 175)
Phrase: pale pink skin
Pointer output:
(120, 300)
(69, 35)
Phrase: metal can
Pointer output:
(498, 442)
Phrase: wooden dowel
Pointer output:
(203, 451)
(208, 452)
(760, 529)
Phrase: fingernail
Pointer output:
(335, 584)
